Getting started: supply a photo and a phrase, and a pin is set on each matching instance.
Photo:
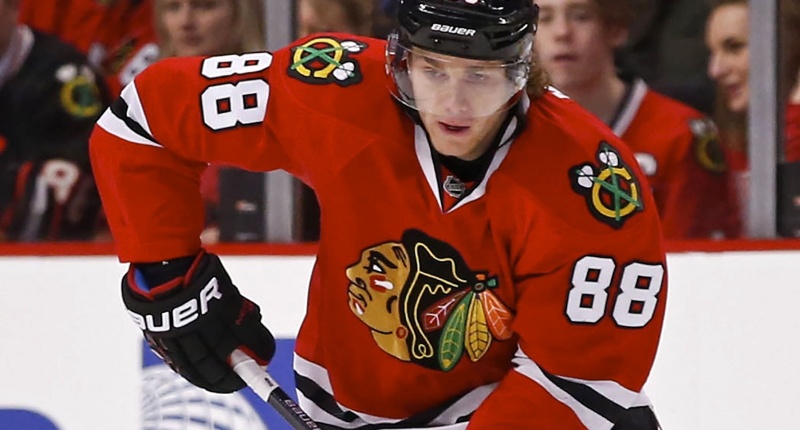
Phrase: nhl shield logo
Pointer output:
(454, 187)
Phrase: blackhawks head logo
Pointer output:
(613, 194)
(424, 305)
(327, 60)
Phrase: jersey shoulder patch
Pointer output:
(327, 59)
(610, 187)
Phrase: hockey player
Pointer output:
(50, 99)
(487, 258)
(676, 146)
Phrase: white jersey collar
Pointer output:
(426, 162)
(630, 107)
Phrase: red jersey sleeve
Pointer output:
(150, 148)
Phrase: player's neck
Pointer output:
(601, 96)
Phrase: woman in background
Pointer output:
(790, 45)
(345, 16)
(209, 27)
(727, 37)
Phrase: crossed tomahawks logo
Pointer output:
(612, 192)
(326, 60)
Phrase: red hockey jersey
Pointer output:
(679, 151)
(118, 36)
(534, 301)
(74, 21)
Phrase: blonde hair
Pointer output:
(538, 80)
(249, 27)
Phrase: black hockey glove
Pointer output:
(195, 321)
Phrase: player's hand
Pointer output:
(194, 322)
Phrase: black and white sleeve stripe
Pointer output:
(597, 404)
(126, 118)
(315, 396)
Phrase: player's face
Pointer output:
(375, 285)
(727, 39)
(200, 27)
(311, 20)
(574, 45)
(462, 102)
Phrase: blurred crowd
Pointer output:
(668, 76)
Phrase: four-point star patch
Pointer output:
(612, 192)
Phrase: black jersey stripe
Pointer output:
(325, 401)
(588, 397)
(322, 398)
(120, 109)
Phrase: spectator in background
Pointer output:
(665, 47)
(385, 17)
(790, 44)
(789, 173)
(117, 35)
(728, 38)
(50, 99)
(210, 27)
(676, 146)
(341, 16)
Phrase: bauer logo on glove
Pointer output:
(194, 318)
(181, 315)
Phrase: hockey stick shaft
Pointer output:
(265, 387)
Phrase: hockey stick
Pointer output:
(262, 384)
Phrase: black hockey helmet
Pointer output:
(475, 29)
(497, 32)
